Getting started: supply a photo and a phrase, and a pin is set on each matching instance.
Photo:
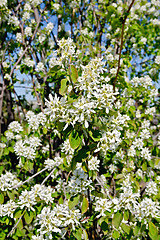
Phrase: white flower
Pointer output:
(3, 3)
(5, 64)
(157, 59)
(145, 153)
(41, 38)
(15, 127)
(146, 209)
(7, 76)
(28, 62)
(102, 205)
(35, 2)
(50, 163)
(145, 134)
(138, 143)
(79, 182)
(151, 188)
(9, 208)
(19, 37)
(40, 67)
(138, 114)
(150, 111)
(26, 15)
(13, 20)
(27, 199)
(27, 7)
(9, 135)
(28, 31)
(49, 27)
(2, 145)
(56, 6)
(112, 168)
(139, 173)
(113, 71)
(54, 61)
(93, 163)
(8, 181)
(143, 40)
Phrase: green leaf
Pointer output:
(2, 236)
(119, 176)
(82, 154)
(153, 232)
(78, 234)
(104, 226)
(85, 235)
(126, 215)
(7, 221)
(73, 202)
(44, 130)
(11, 194)
(18, 214)
(117, 219)
(1, 198)
(20, 225)
(30, 165)
(95, 135)
(28, 216)
(60, 201)
(84, 205)
(98, 194)
(115, 234)
(74, 139)
(6, 151)
(11, 149)
(73, 164)
(125, 228)
(136, 230)
(63, 87)
(1, 169)
(74, 74)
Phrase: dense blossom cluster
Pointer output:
(89, 155)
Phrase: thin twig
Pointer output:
(121, 46)
(20, 184)
(16, 223)
(102, 185)
(38, 99)
(27, 47)
(47, 176)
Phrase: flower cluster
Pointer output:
(8, 181)
(27, 147)
(57, 219)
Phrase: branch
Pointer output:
(20, 184)
(38, 99)
(48, 176)
(121, 46)
(20, 58)
(16, 223)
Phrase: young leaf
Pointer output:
(28, 216)
(84, 205)
(125, 228)
(115, 234)
(74, 74)
(63, 87)
(117, 219)
(74, 139)
(73, 202)
(153, 232)
(1, 198)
